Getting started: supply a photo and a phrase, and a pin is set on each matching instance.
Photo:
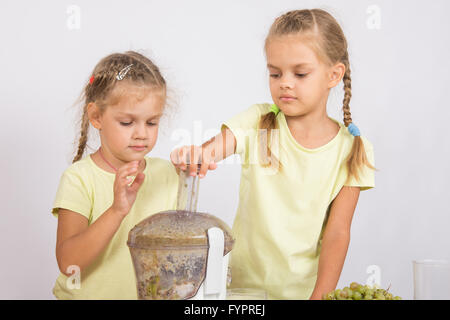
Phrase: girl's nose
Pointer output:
(140, 132)
(286, 83)
(286, 86)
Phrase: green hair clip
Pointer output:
(274, 108)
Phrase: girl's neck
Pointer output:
(312, 130)
(311, 125)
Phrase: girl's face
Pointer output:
(299, 81)
(129, 128)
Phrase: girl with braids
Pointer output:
(103, 195)
(302, 171)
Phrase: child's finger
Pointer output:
(174, 158)
(205, 164)
(182, 158)
(203, 169)
(127, 172)
(195, 154)
(137, 182)
(124, 173)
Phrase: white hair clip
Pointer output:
(122, 73)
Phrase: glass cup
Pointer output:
(431, 279)
(246, 294)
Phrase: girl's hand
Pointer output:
(189, 157)
(125, 195)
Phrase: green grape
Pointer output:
(354, 285)
(328, 296)
(379, 291)
(358, 291)
(379, 296)
(357, 295)
(361, 289)
(343, 294)
(370, 292)
(349, 292)
(337, 293)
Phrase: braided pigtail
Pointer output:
(357, 157)
(266, 127)
(83, 135)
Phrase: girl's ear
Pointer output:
(336, 74)
(94, 115)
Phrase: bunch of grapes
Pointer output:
(357, 291)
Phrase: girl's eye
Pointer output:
(128, 123)
(301, 75)
(274, 75)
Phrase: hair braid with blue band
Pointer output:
(353, 130)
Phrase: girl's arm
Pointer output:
(335, 241)
(208, 154)
(79, 244)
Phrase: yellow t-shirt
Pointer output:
(281, 214)
(88, 190)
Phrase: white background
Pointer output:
(211, 53)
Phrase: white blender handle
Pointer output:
(214, 267)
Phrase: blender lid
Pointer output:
(177, 230)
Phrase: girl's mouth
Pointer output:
(287, 99)
(138, 148)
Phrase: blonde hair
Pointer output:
(330, 45)
(143, 73)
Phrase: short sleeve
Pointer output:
(366, 175)
(72, 194)
(245, 125)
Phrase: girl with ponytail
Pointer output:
(302, 171)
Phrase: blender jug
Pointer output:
(181, 254)
(431, 280)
